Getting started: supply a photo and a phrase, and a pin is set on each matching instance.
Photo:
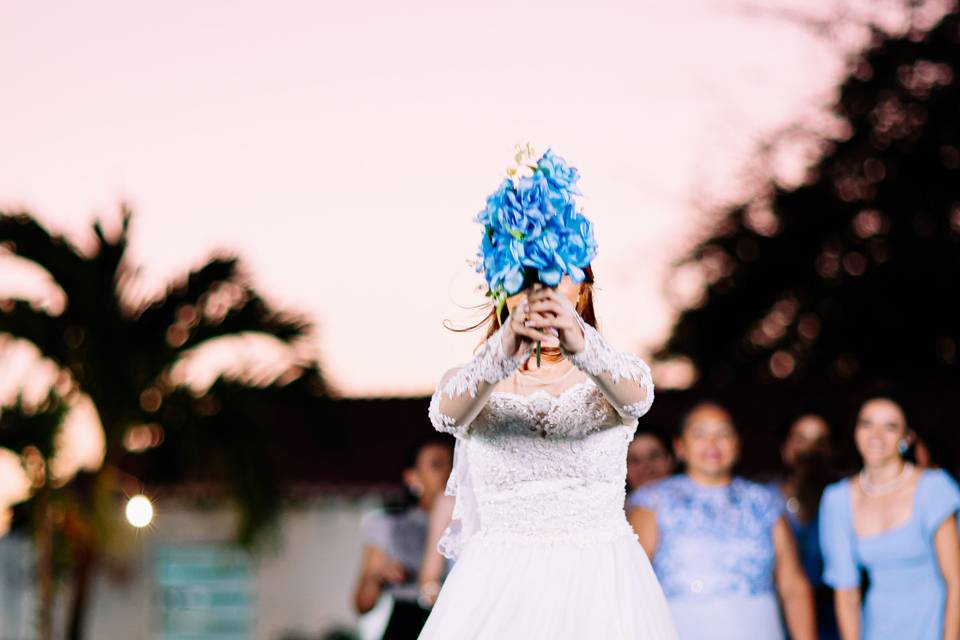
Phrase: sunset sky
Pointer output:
(342, 149)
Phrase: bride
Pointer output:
(541, 542)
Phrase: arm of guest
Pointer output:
(847, 603)
(375, 570)
(840, 565)
(947, 547)
(793, 587)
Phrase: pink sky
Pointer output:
(342, 148)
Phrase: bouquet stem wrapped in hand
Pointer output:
(532, 230)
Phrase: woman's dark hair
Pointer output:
(658, 433)
(421, 443)
(699, 404)
(400, 502)
(886, 390)
(808, 408)
(889, 397)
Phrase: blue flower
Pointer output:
(562, 177)
(534, 195)
(533, 232)
(579, 247)
(502, 255)
(495, 201)
(518, 214)
(522, 216)
(543, 254)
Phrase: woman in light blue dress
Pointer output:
(898, 525)
(720, 545)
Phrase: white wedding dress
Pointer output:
(540, 538)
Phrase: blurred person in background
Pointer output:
(648, 458)
(896, 523)
(807, 454)
(395, 539)
(923, 454)
(720, 545)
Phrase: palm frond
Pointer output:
(253, 315)
(27, 238)
(178, 305)
(161, 312)
(48, 333)
(109, 256)
(22, 425)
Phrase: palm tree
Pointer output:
(121, 354)
(31, 430)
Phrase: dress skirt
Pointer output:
(503, 589)
(732, 617)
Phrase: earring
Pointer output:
(903, 446)
(416, 490)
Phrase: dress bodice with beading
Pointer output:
(714, 541)
(546, 466)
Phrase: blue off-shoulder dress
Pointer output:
(906, 594)
(715, 556)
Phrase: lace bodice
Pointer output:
(713, 541)
(541, 466)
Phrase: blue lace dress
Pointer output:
(715, 557)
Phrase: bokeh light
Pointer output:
(139, 511)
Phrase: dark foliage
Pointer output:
(855, 276)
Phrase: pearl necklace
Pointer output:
(885, 489)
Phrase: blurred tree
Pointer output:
(853, 272)
(122, 355)
(31, 431)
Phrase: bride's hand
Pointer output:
(549, 309)
(517, 333)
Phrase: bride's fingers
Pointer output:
(519, 315)
(538, 320)
(550, 296)
(551, 323)
(548, 306)
(528, 334)
(560, 299)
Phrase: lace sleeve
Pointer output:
(623, 378)
(462, 392)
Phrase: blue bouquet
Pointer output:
(532, 231)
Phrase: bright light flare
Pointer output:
(139, 511)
